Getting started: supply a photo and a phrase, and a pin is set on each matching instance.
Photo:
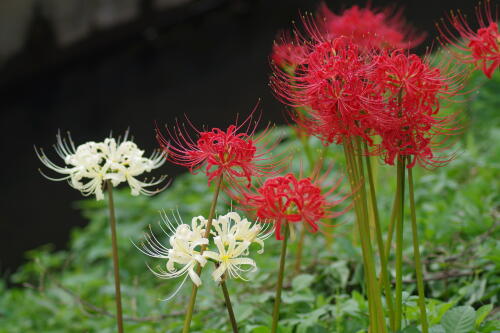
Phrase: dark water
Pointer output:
(210, 68)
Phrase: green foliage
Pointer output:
(458, 214)
(459, 320)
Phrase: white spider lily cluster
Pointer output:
(230, 235)
(89, 165)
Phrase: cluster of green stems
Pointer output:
(360, 173)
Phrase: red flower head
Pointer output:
(331, 86)
(287, 54)
(479, 47)
(409, 123)
(369, 28)
(235, 153)
(286, 199)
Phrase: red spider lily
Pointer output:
(479, 47)
(286, 199)
(287, 54)
(235, 153)
(413, 90)
(369, 28)
(331, 86)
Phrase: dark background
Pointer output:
(207, 59)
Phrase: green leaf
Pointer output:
(261, 329)
(410, 329)
(459, 320)
(302, 282)
(437, 329)
(482, 313)
(243, 311)
(490, 326)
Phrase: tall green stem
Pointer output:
(229, 307)
(304, 139)
(380, 243)
(392, 222)
(194, 290)
(416, 254)
(399, 241)
(355, 172)
(279, 286)
(353, 180)
(300, 245)
(116, 265)
(379, 311)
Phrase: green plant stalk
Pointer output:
(416, 254)
(379, 310)
(229, 307)
(399, 242)
(377, 323)
(392, 222)
(304, 139)
(352, 176)
(353, 180)
(116, 265)
(380, 243)
(279, 286)
(300, 246)
(194, 290)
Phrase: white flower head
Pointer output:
(89, 165)
(183, 255)
(233, 225)
(229, 258)
(231, 240)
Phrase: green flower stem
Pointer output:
(352, 175)
(116, 265)
(416, 254)
(392, 222)
(355, 172)
(229, 307)
(380, 242)
(279, 286)
(399, 242)
(194, 290)
(300, 245)
(304, 139)
(379, 311)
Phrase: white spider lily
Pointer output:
(228, 258)
(89, 165)
(233, 225)
(232, 237)
(182, 257)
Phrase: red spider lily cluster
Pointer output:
(479, 47)
(344, 86)
(369, 28)
(409, 122)
(331, 85)
(237, 153)
(286, 199)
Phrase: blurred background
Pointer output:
(95, 66)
